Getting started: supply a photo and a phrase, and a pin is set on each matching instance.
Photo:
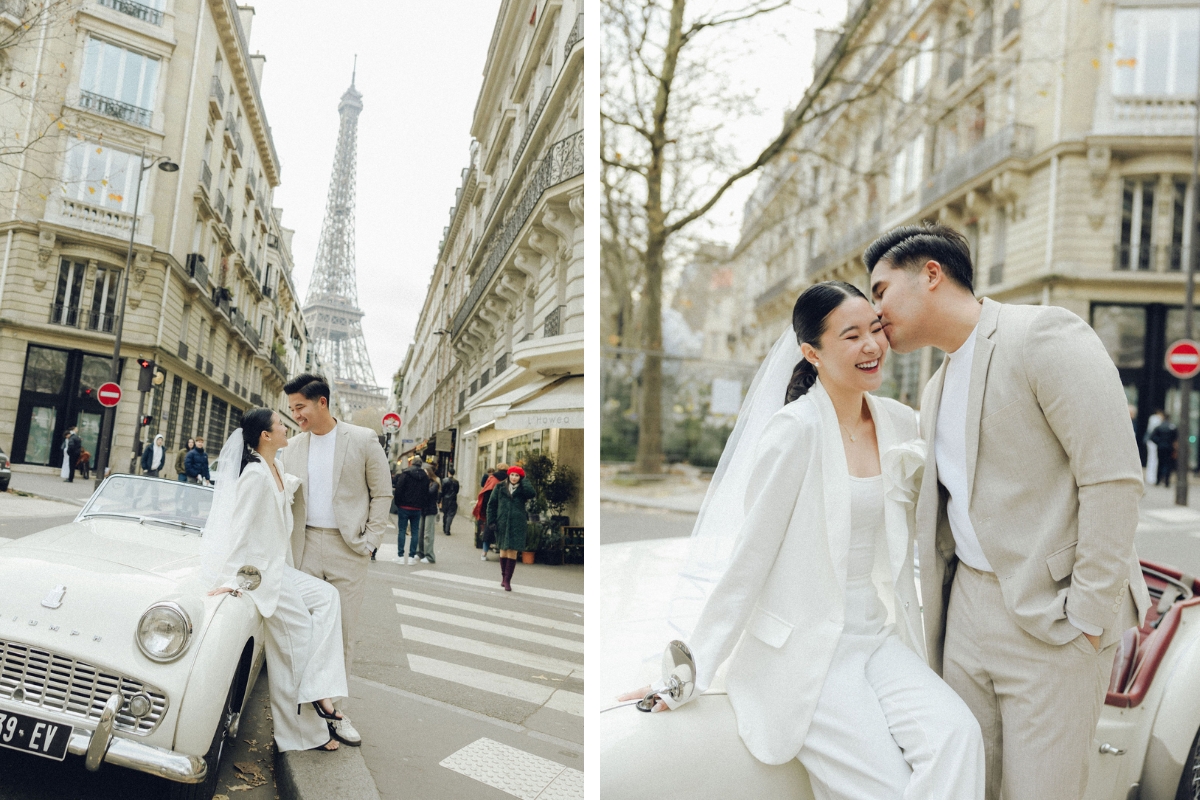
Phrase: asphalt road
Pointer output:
(627, 523)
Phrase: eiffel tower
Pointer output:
(331, 309)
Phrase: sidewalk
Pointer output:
(46, 482)
(680, 488)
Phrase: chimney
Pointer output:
(825, 40)
(256, 62)
(246, 17)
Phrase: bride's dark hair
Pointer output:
(255, 423)
(808, 321)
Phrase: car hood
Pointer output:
(113, 570)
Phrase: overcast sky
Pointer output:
(420, 66)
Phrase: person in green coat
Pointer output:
(506, 511)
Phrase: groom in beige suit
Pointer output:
(1027, 511)
(342, 512)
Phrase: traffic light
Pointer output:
(146, 420)
(146, 375)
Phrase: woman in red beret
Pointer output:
(506, 510)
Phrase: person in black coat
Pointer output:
(74, 446)
(1163, 438)
(449, 500)
(196, 463)
(409, 490)
(154, 457)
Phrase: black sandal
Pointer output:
(325, 748)
(349, 737)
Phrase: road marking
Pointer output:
(491, 627)
(537, 693)
(516, 772)
(492, 651)
(553, 594)
(515, 616)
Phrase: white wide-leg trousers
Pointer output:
(304, 658)
(887, 727)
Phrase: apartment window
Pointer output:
(189, 415)
(1179, 213)
(116, 74)
(104, 299)
(983, 33)
(917, 70)
(65, 310)
(1137, 224)
(101, 176)
(173, 411)
(907, 169)
(1155, 51)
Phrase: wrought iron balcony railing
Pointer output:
(529, 126)
(553, 324)
(183, 351)
(99, 321)
(563, 160)
(196, 268)
(220, 204)
(64, 314)
(1011, 141)
(501, 363)
(143, 12)
(115, 108)
(205, 175)
(574, 37)
(277, 363)
(228, 217)
(216, 90)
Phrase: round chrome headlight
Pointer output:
(164, 631)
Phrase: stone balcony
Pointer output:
(962, 171)
(97, 219)
(1144, 116)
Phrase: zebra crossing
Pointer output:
(524, 646)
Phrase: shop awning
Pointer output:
(497, 406)
(559, 405)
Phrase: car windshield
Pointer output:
(150, 500)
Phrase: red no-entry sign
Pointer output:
(109, 395)
(391, 421)
(1183, 359)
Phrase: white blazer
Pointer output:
(262, 531)
(786, 581)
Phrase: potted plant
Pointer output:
(533, 538)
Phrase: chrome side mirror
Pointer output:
(679, 675)
(249, 578)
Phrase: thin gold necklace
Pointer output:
(848, 432)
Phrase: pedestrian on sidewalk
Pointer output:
(449, 500)
(409, 488)
(506, 510)
(1155, 420)
(1164, 438)
(195, 464)
(180, 468)
(485, 529)
(72, 444)
(84, 464)
(484, 479)
(154, 457)
(429, 514)
(342, 513)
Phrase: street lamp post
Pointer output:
(110, 414)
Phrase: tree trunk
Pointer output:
(650, 422)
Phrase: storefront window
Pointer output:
(520, 447)
(45, 370)
(95, 372)
(484, 461)
(1122, 329)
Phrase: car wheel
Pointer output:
(206, 789)
(1189, 782)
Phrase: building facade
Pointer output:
(495, 370)
(1057, 136)
(210, 295)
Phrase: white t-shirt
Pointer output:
(319, 506)
(950, 450)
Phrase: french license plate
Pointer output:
(31, 735)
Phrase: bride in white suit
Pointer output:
(246, 547)
(817, 483)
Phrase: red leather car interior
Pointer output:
(1141, 649)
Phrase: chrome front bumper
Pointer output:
(100, 746)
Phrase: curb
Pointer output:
(68, 500)
(686, 506)
(312, 775)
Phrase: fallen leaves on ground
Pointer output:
(250, 772)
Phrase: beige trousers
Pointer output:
(1037, 703)
(328, 557)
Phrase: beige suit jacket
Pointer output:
(1053, 480)
(362, 488)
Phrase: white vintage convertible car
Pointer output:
(110, 648)
(1147, 744)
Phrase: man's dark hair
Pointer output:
(311, 386)
(910, 246)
